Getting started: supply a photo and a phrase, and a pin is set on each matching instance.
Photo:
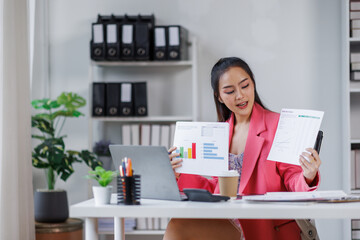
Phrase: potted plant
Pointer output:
(102, 193)
(52, 156)
(101, 149)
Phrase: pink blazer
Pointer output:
(260, 176)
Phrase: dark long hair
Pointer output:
(223, 65)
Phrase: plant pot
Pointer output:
(51, 206)
(102, 195)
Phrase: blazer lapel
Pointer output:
(253, 145)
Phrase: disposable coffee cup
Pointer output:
(228, 183)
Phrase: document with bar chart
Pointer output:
(203, 146)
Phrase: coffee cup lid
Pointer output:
(230, 173)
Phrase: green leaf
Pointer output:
(45, 103)
(46, 116)
(64, 113)
(65, 173)
(38, 163)
(90, 159)
(99, 170)
(91, 177)
(43, 125)
(39, 103)
(38, 137)
(73, 156)
(51, 149)
(71, 101)
(103, 182)
(77, 114)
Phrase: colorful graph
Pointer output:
(210, 151)
(203, 147)
(189, 153)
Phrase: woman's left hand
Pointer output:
(311, 167)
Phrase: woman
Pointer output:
(252, 130)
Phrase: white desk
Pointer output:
(230, 209)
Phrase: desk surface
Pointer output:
(231, 209)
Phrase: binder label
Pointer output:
(98, 33)
(174, 39)
(127, 34)
(111, 33)
(160, 37)
(126, 92)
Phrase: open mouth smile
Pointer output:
(242, 105)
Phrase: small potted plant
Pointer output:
(102, 193)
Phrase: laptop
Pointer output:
(153, 165)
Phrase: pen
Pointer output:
(124, 167)
(121, 171)
(129, 168)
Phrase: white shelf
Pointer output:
(355, 90)
(354, 39)
(144, 119)
(355, 86)
(137, 232)
(142, 63)
(102, 127)
(351, 88)
(355, 191)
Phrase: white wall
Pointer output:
(292, 46)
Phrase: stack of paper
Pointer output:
(336, 195)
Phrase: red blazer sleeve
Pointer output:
(196, 181)
(294, 180)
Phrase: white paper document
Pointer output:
(297, 196)
(297, 130)
(203, 146)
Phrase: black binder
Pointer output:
(160, 42)
(112, 41)
(177, 43)
(126, 100)
(127, 41)
(98, 99)
(112, 99)
(97, 43)
(143, 37)
(142, 41)
(140, 99)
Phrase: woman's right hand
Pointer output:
(175, 162)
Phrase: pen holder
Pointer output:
(128, 190)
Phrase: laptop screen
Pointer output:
(153, 165)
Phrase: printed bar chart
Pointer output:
(190, 153)
(193, 146)
(181, 152)
(210, 151)
(203, 147)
